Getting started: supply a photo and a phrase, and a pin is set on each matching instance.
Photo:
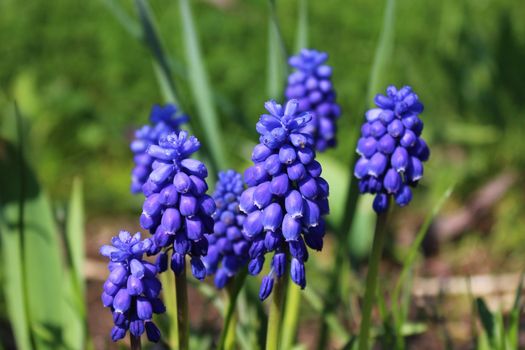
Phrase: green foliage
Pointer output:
(499, 334)
(45, 297)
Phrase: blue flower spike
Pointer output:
(228, 248)
(164, 120)
(177, 210)
(391, 149)
(286, 197)
(311, 85)
(132, 288)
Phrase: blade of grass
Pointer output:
(74, 285)
(153, 42)
(277, 56)
(301, 36)
(414, 248)
(399, 314)
(225, 341)
(513, 332)
(487, 321)
(200, 87)
(75, 233)
(130, 25)
(11, 200)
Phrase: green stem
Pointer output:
(135, 342)
(291, 315)
(170, 299)
(371, 279)
(275, 314)
(182, 310)
(227, 340)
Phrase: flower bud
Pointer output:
(197, 268)
(366, 146)
(308, 187)
(404, 196)
(171, 220)
(255, 265)
(386, 144)
(296, 171)
(122, 300)
(152, 332)
(262, 195)
(392, 181)
(400, 159)
(273, 165)
(380, 204)
(195, 167)
(188, 205)
(396, 128)
(169, 195)
(291, 228)
(280, 185)
(260, 153)
(272, 217)
(182, 182)
(377, 164)
(287, 154)
(177, 263)
(266, 287)
(297, 273)
(253, 224)
(194, 228)
(279, 264)
(294, 204)
(134, 286)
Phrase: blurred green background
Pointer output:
(84, 83)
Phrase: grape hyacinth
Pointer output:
(286, 197)
(311, 84)
(227, 245)
(163, 121)
(132, 288)
(177, 210)
(391, 149)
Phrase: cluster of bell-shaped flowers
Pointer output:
(286, 196)
(177, 210)
(228, 248)
(311, 85)
(132, 288)
(391, 149)
(163, 120)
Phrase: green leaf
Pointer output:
(74, 285)
(200, 87)
(75, 233)
(514, 317)
(400, 313)
(277, 56)
(487, 320)
(11, 245)
(383, 51)
(27, 218)
(123, 18)
(301, 36)
(153, 42)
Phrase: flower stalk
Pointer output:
(135, 342)
(183, 321)
(371, 279)
(275, 314)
